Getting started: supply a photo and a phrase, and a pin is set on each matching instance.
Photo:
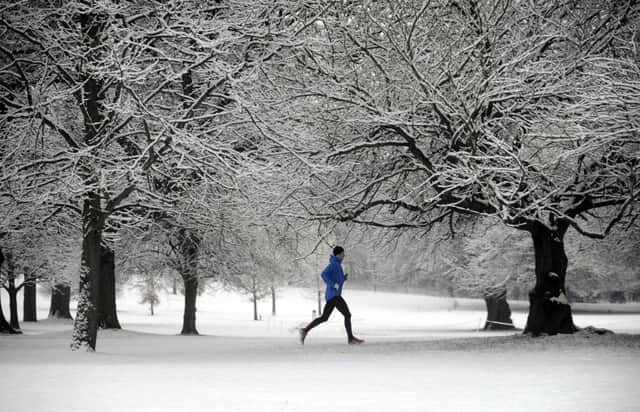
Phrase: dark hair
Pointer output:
(337, 250)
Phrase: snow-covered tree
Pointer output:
(218, 53)
(406, 115)
(88, 86)
(129, 104)
(149, 286)
(29, 259)
(266, 261)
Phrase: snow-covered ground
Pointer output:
(421, 354)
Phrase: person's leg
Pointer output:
(326, 312)
(341, 305)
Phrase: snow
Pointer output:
(422, 354)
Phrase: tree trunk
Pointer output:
(60, 298)
(498, 310)
(5, 327)
(548, 310)
(12, 291)
(29, 301)
(189, 248)
(255, 305)
(107, 312)
(273, 301)
(85, 327)
(190, 295)
(13, 302)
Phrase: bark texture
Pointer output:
(189, 245)
(549, 311)
(85, 328)
(29, 301)
(60, 298)
(107, 310)
(190, 295)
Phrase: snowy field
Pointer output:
(421, 354)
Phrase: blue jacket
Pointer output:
(333, 275)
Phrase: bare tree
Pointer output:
(267, 260)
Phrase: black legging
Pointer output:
(339, 304)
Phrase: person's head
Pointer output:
(338, 252)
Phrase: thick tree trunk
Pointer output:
(107, 312)
(190, 295)
(549, 312)
(13, 302)
(29, 301)
(85, 327)
(498, 310)
(60, 299)
(189, 247)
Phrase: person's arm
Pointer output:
(338, 277)
(326, 276)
